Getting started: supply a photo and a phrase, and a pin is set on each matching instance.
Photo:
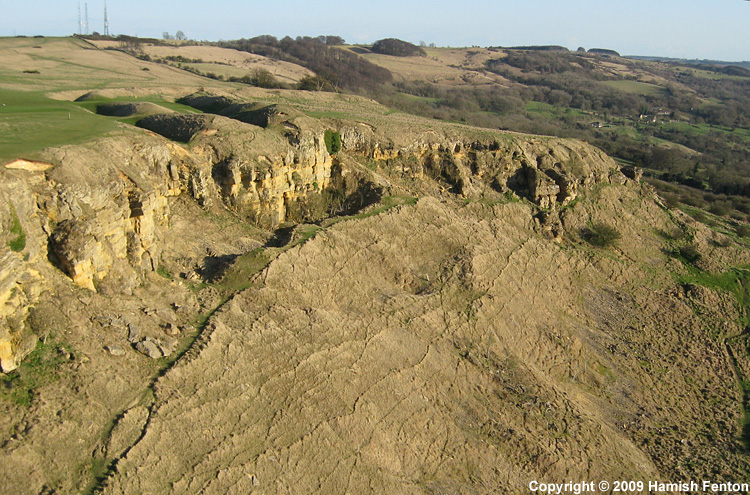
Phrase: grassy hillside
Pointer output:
(41, 77)
(684, 124)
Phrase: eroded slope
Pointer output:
(446, 348)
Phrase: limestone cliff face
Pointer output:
(547, 171)
(22, 248)
(261, 186)
(111, 221)
(254, 172)
(101, 212)
(108, 218)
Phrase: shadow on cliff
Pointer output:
(281, 237)
(213, 268)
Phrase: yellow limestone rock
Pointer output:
(28, 165)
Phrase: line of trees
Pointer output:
(179, 35)
(336, 68)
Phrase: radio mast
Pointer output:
(86, 17)
(80, 21)
(106, 20)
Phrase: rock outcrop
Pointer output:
(102, 211)
(22, 249)
(547, 171)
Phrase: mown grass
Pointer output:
(31, 122)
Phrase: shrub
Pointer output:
(691, 199)
(601, 235)
(162, 271)
(690, 253)
(264, 79)
(335, 67)
(315, 83)
(742, 230)
(398, 48)
(670, 200)
(333, 141)
(698, 216)
(723, 241)
(719, 208)
(19, 243)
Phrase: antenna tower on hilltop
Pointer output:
(80, 21)
(106, 20)
(86, 18)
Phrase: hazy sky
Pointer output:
(716, 29)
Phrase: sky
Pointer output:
(694, 29)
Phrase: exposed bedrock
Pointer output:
(100, 213)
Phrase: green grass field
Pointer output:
(34, 69)
(31, 122)
(636, 87)
(91, 104)
(703, 129)
(552, 111)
